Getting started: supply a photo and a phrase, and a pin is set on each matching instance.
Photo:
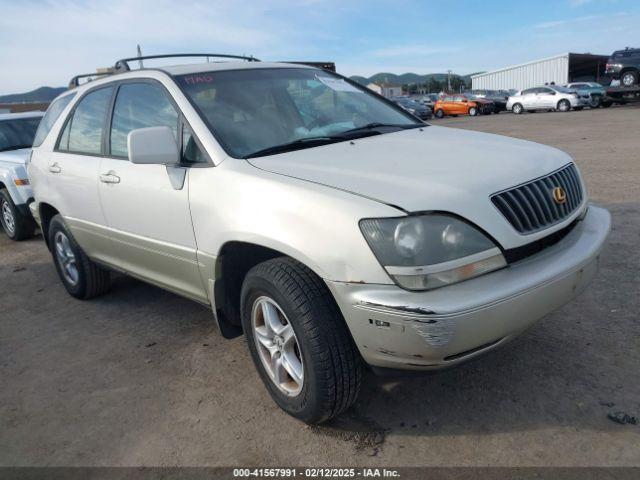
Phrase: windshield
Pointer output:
(17, 133)
(561, 89)
(254, 110)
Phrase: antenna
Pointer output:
(140, 56)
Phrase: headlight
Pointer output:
(428, 251)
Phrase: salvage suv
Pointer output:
(324, 222)
(17, 132)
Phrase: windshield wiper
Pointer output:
(374, 125)
(296, 145)
(367, 130)
(14, 147)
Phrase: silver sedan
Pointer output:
(546, 98)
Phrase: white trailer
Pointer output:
(560, 69)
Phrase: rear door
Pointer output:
(72, 172)
(148, 215)
(529, 98)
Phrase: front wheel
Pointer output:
(564, 106)
(596, 101)
(16, 225)
(517, 108)
(81, 277)
(299, 341)
(473, 111)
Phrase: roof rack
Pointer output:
(122, 65)
(75, 81)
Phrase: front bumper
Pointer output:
(579, 102)
(398, 329)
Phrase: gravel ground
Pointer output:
(139, 377)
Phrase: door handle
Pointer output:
(55, 168)
(110, 177)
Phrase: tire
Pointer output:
(564, 105)
(596, 101)
(473, 111)
(439, 113)
(606, 104)
(89, 279)
(629, 79)
(324, 353)
(16, 225)
(517, 108)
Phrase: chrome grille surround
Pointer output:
(530, 207)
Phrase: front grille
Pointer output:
(531, 207)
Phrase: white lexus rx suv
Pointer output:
(329, 226)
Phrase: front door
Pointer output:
(148, 215)
(546, 97)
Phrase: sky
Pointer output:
(45, 42)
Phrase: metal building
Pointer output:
(561, 69)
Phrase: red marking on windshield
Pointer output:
(197, 79)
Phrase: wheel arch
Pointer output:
(234, 260)
(47, 212)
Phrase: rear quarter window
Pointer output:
(84, 130)
(53, 112)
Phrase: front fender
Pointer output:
(8, 175)
(314, 224)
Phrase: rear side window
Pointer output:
(84, 130)
(53, 112)
(140, 105)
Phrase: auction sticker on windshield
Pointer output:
(338, 84)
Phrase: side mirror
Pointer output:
(153, 145)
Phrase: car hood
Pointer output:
(432, 168)
(19, 157)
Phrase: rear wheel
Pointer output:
(299, 341)
(16, 225)
(517, 108)
(81, 277)
(629, 79)
(564, 105)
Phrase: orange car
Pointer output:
(461, 105)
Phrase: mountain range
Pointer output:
(406, 78)
(39, 95)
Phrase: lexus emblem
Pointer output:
(559, 195)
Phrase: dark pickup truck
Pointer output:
(624, 65)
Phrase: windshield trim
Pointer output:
(353, 83)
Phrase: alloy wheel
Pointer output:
(628, 79)
(277, 346)
(66, 258)
(8, 220)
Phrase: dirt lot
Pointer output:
(139, 377)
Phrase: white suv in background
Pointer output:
(17, 131)
(325, 223)
(550, 97)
